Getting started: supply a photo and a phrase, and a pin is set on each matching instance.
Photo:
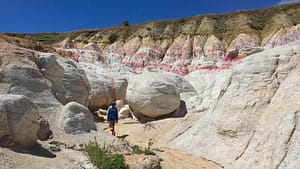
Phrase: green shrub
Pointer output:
(126, 23)
(147, 151)
(103, 158)
(137, 150)
(113, 37)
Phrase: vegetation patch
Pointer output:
(147, 151)
(112, 38)
(103, 158)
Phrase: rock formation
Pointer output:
(18, 120)
(176, 46)
(20, 75)
(76, 118)
(152, 95)
(241, 114)
(75, 82)
(105, 89)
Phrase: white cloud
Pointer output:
(287, 1)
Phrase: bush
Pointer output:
(126, 23)
(103, 158)
(147, 151)
(137, 150)
(112, 38)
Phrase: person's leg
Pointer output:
(112, 127)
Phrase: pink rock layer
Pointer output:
(177, 55)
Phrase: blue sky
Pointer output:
(35, 16)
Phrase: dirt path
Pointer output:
(140, 134)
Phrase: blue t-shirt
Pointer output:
(112, 114)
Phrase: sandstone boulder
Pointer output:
(105, 89)
(119, 104)
(21, 76)
(76, 118)
(124, 112)
(75, 82)
(150, 162)
(144, 162)
(18, 120)
(152, 94)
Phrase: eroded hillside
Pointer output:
(182, 45)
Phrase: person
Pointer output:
(112, 117)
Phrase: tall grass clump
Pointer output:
(147, 151)
(103, 158)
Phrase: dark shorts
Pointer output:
(112, 125)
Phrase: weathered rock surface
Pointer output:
(147, 162)
(105, 89)
(19, 74)
(243, 123)
(18, 120)
(178, 55)
(75, 82)
(76, 118)
(124, 112)
(50, 68)
(174, 45)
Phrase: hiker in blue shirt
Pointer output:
(112, 117)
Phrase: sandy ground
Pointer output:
(140, 134)
(40, 158)
(134, 133)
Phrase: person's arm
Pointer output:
(108, 114)
(117, 115)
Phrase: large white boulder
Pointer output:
(21, 76)
(75, 82)
(105, 89)
(152, 94)
(18, 120)
(76, 118)
(124, 112)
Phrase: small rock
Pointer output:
(151, 162)
(70, 146)
(102, 111)
(43, 132)
(55, 149)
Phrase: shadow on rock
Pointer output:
(123, 136)
(36, 150)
